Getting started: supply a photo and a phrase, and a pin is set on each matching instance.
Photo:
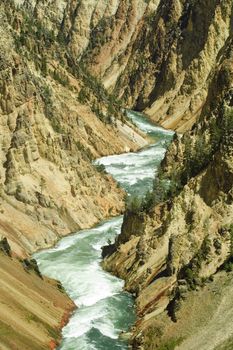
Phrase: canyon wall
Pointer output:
(66, 70)
(156, 56)
(55, 120)
(159, 56)
(176, 255)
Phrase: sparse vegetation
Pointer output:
(61, 77)
(33, 36)
(228, 265)
(46, 95)
(196, 157)
(162, 191)
(199, 151)
(170, 344)
(31, 40)
(100, 168)
(86, 153)
(134, 204)
(190, 271)
(154, 340)
(103, 104)
(99, 35)
(84, 95)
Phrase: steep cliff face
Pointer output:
(171, 59)
(55, 119)
(169, 253)
(157, 56)
(33, 308)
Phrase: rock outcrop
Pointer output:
(170, 253)
(172, 60)
(158, 56)
(55, 119)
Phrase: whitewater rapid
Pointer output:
(104, 309)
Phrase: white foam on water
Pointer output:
(111, 224)
(99, 292)
(69, 241)
(64, 244)
(97, 246)
(107, 329)
(80, 343)
(126, 158)
(92, 284)
(129, 168)
(84, 319)
(145, 125)
(132, 179)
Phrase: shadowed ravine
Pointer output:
(104, 309)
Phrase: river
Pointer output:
(104, 309)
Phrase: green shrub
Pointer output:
(44, 68)
(61, 78)
(163, 189)
(46, 95)
(100, 168)
(228, 264)
(191, 270)
(83, 96)
(134, 204)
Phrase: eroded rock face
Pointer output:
(55, 120)
(172, 59)
(157, 55)
(186, 240)
(33, 310)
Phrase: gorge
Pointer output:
(68, 71)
